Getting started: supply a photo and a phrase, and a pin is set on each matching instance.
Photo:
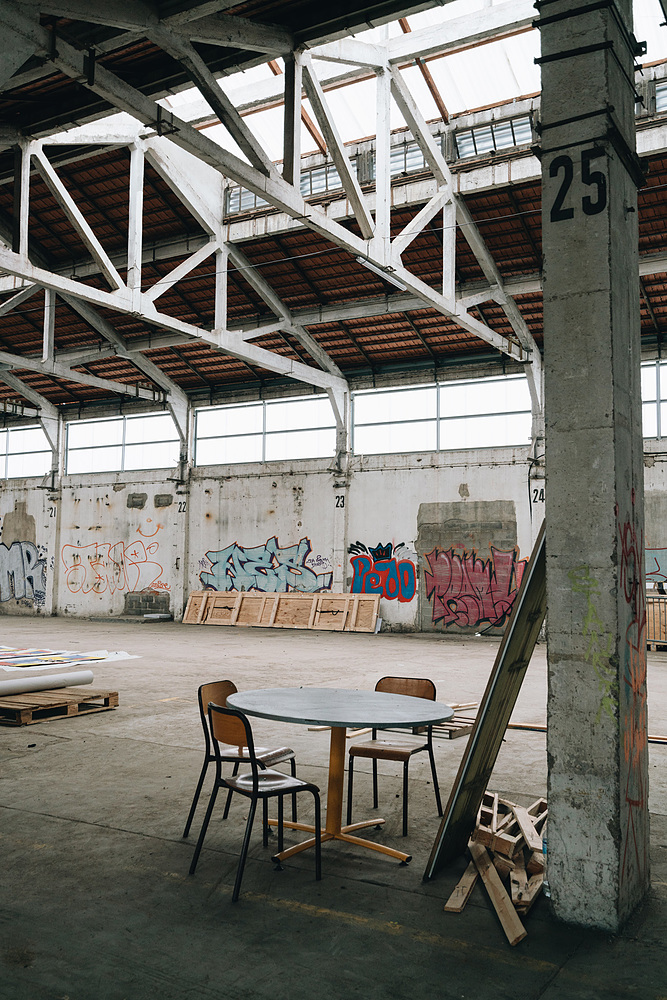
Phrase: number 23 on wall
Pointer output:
(594, 201)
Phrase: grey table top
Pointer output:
(340, 707)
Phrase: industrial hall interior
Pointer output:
(333, 479)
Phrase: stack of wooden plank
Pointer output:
(331, 612)
(506, 848)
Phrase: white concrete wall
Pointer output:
(113, 544)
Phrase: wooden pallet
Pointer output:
(458, 725)
(325, 611)
(63, 703)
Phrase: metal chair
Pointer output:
(218, 692)
(374, 749)
(232, 728)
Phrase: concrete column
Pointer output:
(598, 826)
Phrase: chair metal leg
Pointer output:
(318, 837)
(436, 787)
(265, 822)
(202, 832)
(375, 783)
(229, 793)
(350, 779)
(281, 802)
(293, 769)
(244, 849)
(195, 800)
(405, 799)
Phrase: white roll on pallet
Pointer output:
(21, 685)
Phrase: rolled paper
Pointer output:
(21, 685)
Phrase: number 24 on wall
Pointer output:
(592, 203)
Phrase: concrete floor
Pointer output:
(97, 902)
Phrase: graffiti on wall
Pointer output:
(267, 567)
(467, 591)
(656, 567)
(113, 567)
(635, 734)
(386, 570)
(22, 573)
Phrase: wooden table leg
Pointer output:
(336, 776)
(333, 829)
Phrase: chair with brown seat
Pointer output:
(232, 729)
(218, 692)
(375, 750)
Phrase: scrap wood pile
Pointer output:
(506, 850)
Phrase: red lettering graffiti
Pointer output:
(467, 591)
(102, 566)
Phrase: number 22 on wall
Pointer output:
(594, 201)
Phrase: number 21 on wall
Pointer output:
(594, 201)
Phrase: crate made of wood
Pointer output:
(63, 703)
(331, 612)
(656, 621)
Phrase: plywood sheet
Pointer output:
(494, 713)
(330, 612)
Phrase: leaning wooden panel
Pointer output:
(364, 614)
(332, 612)
(252, 606)
(196, 607)
(494, 713)
(221, 607)
(293, 610)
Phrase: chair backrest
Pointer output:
(415, 687)
(232, 728)
(217, 692)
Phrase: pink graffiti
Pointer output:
(467, 591)
(104, 566)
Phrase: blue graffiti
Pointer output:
(377, 571)
(268, 567)
(22, 573)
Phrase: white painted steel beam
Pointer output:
(76, 217)
(442, 173)
(226, 341)
(337, 150)
(49, 324)
(135, 223)
(282, 311)
(196, 184)
(382, 242)
(47, 414)
(182, 50)
(354, 51)
(133, 15)
(214, 28)
(57, 370)
(453, 34)
(409, 232)
(240, 33)
(177, 400)
(16, 300)
(44, 405)
(180, 271)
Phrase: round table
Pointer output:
(340, 708)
